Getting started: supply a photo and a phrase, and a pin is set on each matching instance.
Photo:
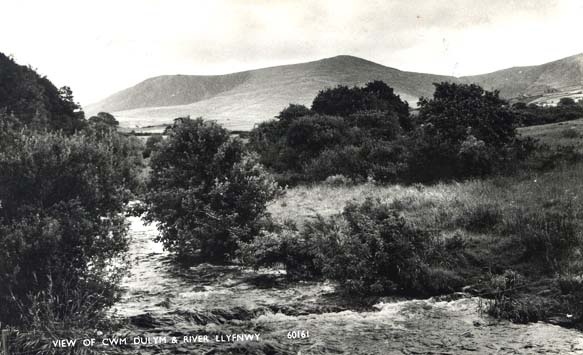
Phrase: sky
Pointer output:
(102, 46)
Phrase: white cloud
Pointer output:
(99, 47)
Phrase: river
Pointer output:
(166, 301)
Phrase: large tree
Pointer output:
(35, 101)
(206, 192)
(464, 131)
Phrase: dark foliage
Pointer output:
(464, 131)
(61, 199)
(374, 96)
(531, 115)
(205, 191)
(347, 131)
(34, 101)
(152, 144)
(369, 249)
(103, 118)
(362, 133)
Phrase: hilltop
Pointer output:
(240, 100)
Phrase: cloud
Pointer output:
(99, 47)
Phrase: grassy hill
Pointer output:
(257, 95)
(543, 84)
(568, 133)
(240, 100)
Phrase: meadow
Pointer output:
(521, 233)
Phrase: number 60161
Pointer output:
(298, 334)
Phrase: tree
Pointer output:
(35, 101)
(458, 110)
(206, 192)
(374, 96)
(292, 112)
(104, 118)
(61, 216)
(566, 101)
(461, 124)
(328, 140)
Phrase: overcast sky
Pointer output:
(102, 46)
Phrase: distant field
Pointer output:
(554, 134)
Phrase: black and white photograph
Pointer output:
(291, 177)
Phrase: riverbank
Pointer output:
(521, 235)
(163, 300)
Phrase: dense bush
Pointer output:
(34, 101)
(464, 131)
(206, 192)
(380, 253)
(530, 115)
(374, 96)
(369, 249)
(348, 131)
(284, 246)
(152, 144)
(61, 221)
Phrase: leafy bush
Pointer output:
(206, 192)
(345, 128)
(152, 144)
(464, 131)
(61, 221)
(368, 249)
(374, 96)
(285, 246)
(508, 301)
(374, 251)
(530, 115)
(34, 101)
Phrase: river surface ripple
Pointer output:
(164, 300)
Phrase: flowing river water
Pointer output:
(163, 301)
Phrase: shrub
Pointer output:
(206, 192)
(345, 161)
(377, 252)
(509, 302)
(61, 204)
(464, 131)
(284, 246)
(152, 144)
(344, 129)
(374, 96)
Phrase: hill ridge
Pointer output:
(243, 98)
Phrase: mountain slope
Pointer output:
(243, 99)
(253, 96)
(558, 75)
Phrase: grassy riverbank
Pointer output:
(521, 234)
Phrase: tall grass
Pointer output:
(69, 312)
(530, 223)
